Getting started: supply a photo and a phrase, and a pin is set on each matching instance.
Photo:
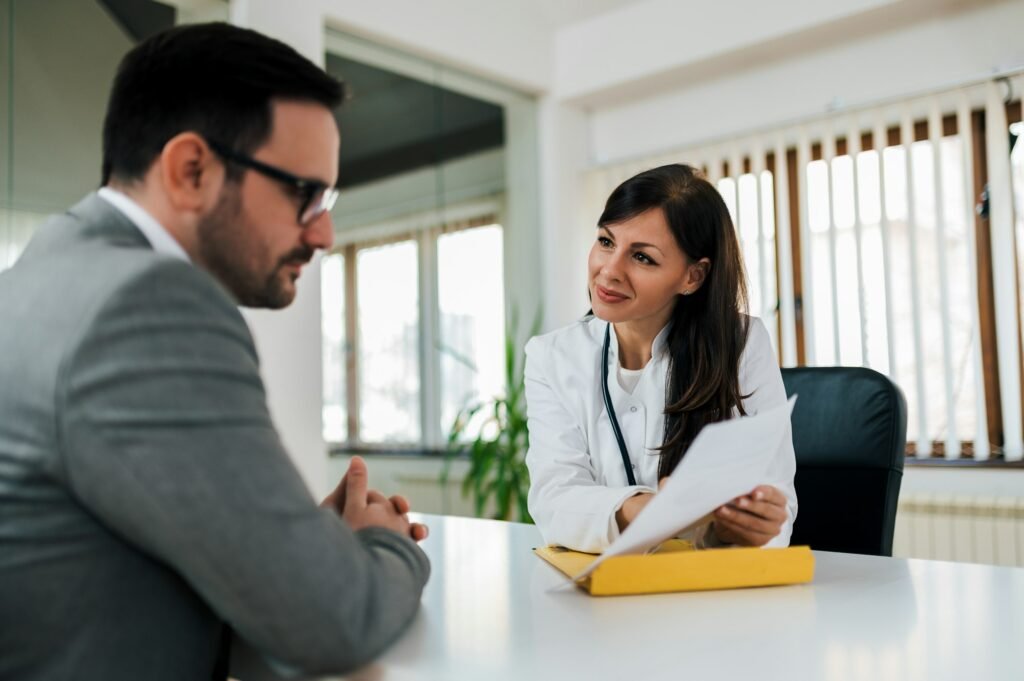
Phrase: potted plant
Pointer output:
(497, 472)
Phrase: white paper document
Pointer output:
(727, 459)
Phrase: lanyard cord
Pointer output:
(611, 410)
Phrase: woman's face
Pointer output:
(636, 270)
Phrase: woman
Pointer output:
(668, 325)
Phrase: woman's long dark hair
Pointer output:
(708, 327)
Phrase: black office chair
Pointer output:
(849, 433)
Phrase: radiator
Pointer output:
(961, 528)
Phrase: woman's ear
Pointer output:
(696, 273)
(192, 175)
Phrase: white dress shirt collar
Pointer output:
(159, 238)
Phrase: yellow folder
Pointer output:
(677, 566)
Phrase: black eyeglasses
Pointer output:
(317, 197)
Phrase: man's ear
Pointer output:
(191, 173)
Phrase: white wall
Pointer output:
(934, 52)
(565, 230)
(645, 39)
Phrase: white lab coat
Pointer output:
(576, 471)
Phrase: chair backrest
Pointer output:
(849, 433)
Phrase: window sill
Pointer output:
(390, 451)
(963, 462)
(415, 452)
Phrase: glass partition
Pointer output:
(57, 60)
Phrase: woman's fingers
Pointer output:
(748, 521)
(753, 519)
(740, 536)
(763, 501)
(761, 509)
(769, 494)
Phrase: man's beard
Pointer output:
(232, 256)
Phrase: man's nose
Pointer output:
(320, 233)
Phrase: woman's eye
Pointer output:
(604, 241)
(641, 257)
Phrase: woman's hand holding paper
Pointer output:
(753, 519)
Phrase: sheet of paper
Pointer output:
(726, 460)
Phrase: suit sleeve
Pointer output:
(761, 382)
(166, 437)
(571, 508)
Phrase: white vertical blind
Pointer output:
(923, 443)
(828, 154)
(964, 129)
(735, 170)
(880, 138)
(767, 311)
(935, 135)
(787, 309)
(1003, 269)
(714, 167)
(803, 158)
(853, 147)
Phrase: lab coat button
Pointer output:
(633, 409)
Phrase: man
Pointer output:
(147, 506)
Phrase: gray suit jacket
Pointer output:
(145, 498)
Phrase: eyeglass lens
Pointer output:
(318, 204)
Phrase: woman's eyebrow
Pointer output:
(641, 244)
(635, 244)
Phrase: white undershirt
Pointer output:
(159, 238)
(628, 378)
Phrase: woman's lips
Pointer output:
(609, 297)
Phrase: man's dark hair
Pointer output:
(215, 79)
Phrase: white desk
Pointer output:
(489, 614)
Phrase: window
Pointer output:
(427, 318)
(332, 281)
(387, 362)
(472, 332)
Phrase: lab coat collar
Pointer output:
(658, 347)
